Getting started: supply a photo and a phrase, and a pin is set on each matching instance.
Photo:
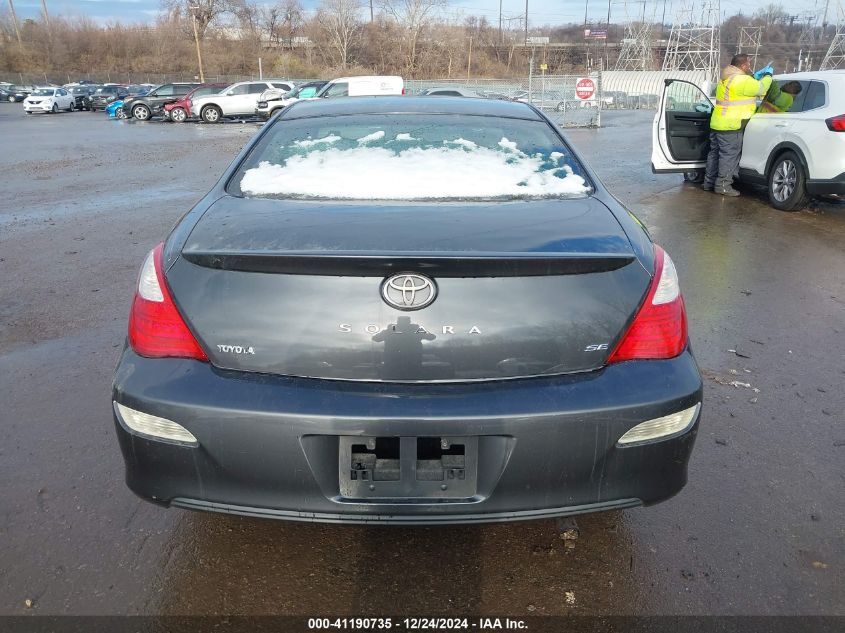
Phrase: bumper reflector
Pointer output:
(661, 427)
(154, 426)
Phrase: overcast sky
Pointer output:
(539, 11)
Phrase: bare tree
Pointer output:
(283, 21)
(340, 25)
(205, 12)
(414, 16)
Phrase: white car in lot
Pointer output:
(237, 100)
(48, 100)
(363, 86)
(796, 149)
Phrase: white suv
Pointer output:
(797, 153)
(239, 99)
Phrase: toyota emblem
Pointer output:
(408, 291)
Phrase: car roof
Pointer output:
(816, 74)
(410, 105)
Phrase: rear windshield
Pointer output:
(410, 157)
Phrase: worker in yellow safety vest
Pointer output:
(736, 102)
(780, 98)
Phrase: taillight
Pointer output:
(836, 123)
(659, 330)
(403, 91)
(156, 329)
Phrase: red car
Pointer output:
(179, 111)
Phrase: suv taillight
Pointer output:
(659, 330)
(156, 329)
(836, 123)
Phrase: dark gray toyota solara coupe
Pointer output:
(413, 311)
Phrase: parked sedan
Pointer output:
(115, 109)
(82, 96)
(144, 107)
(179, 111)
(16, 94)
(104, 95)
(315, 340)
(48, 100)
(271, 101)
(450, 91)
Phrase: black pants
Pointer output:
(723, 158)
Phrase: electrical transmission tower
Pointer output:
(694, 39)
(835, 56)
(636, 45)
(807, 40)
(750, 38)
(809, 22)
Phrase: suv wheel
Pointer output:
(11, 99)
(178, 115)
(787, 183)
(694, 175)
(211, 114)
(141, 112)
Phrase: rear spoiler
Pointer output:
(440, 265)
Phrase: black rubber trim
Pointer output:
(447, 265)
(399, 519)
(830, 187)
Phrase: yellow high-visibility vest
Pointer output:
(779, 102)
(736, 100)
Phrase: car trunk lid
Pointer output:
(524, 288)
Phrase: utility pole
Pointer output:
(371, 12)
(469, 57)
(501, 35)
(526, 22)
(15, 21)
(47, 21)
(193, 8)
(607, 36)
(586, 41)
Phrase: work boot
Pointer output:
(726, 190)
(707, 187)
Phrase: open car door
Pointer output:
(681, 130)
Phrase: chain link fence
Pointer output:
(569, 100)
(31, 79)
(558, 96)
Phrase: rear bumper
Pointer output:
(268, 446)
(830, 187)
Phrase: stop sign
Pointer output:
(585, 88)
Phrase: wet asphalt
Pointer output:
(759, 529)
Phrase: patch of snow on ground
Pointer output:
(326, 140)
(375, 136)
(462, 142)
(405, 137)
(377, 173)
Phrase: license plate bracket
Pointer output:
(408, 469)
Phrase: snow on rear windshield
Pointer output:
(411, 157)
